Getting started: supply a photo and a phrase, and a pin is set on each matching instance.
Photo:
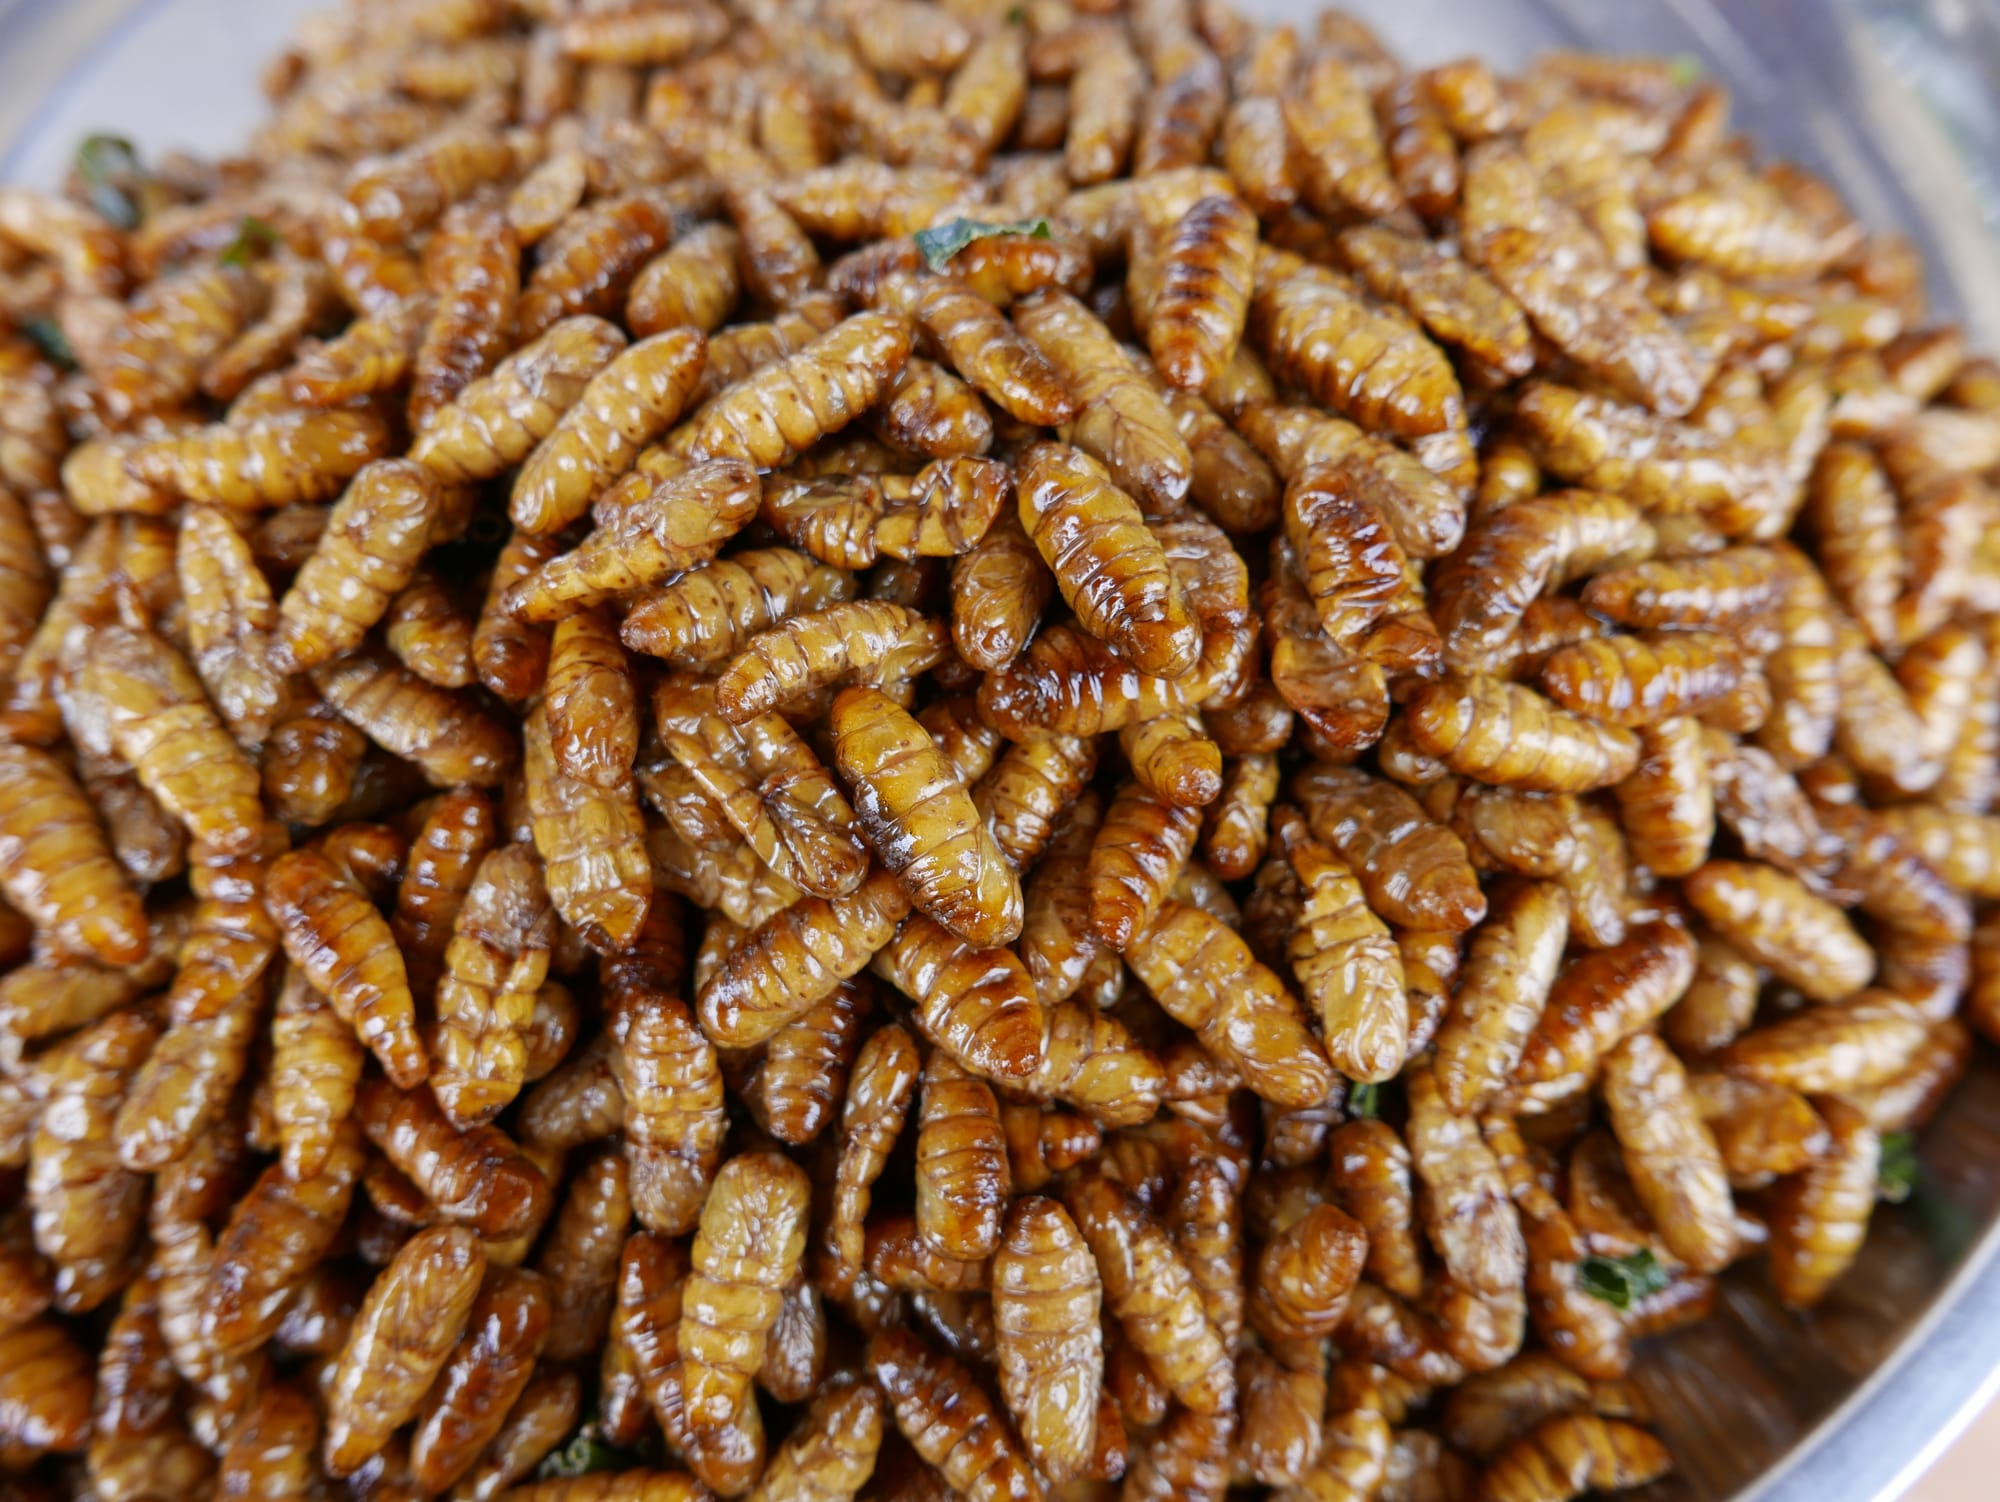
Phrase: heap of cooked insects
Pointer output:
(857, 748)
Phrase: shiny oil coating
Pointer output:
(796, 957)
(1414, 871)
(746, 1250)
(1070, 682)
(1205, 977)
(345, 947)
(768, 784)
(1046, 1294)
(1510, 734)
(916, 815)
(1775, 920)
(591, 840)
(681, 521)
(627, 405)
(373, 540)
(1108, 565)
(496, 421)
(400, 1339)
(781, 410)
(1346, 963)
(1121, 419)
(160, 719)
(976, 1004)
(878, 640)
(55, 863)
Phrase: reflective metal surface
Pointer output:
(1898, 101)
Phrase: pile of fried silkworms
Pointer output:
(869, 749)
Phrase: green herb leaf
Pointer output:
(49, 338)
(586, 1452)
(106, 164)
(1621, 1281)
(253, 238)
(1686, 70)
(941, 242)
(1897, 1175)
(1017, 16)
(1364, 1100)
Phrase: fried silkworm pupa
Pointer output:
(1672, 1158)
(918, 818)
(627, 405)
(1028, 788)
(999, 588)
(1138, 851)
(592, 841)
(273, 1449)
(1345, 961)
(541, 1418)
(794, 1089)
(879, 1090)
(1777, 922)
(510, 656)
(1148, 1288)
(693, 284)
(487, 1370)
(160, 720)
(587, 265)
(638, 1485)
(457, 833)
(831, 1454)
(1204, 291)
(86, 1206)
(448, 736)
(230, 619)
(1205, 977)
(680, 522)
(1639, 681)
(1108, 565)
(1848, 1045)
(396, 196)
(495, 422)
(402, 1338)
(472, 264)
(1413, 870)
(948, 1420)
(45, 1388)
(668, 1077)
(747, 1250)
(961, 1166)
(378, 531)
(1500, 732)
(475, 1174)
(1564, 1456)
(333, 933)
(1468, 1214)
(171, 329)
(1381, 373)
(55, 864)
(1599, 999)
(1510, 965)
(1370, 1179)
(493, 968)
(776, 413)
(977, 1005)
(1121, 420)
